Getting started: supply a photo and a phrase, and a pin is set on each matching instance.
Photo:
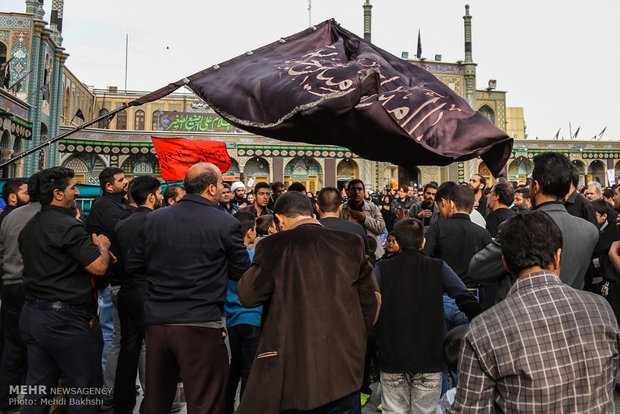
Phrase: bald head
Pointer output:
(200, 177)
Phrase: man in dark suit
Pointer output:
(312, 344)
(188, 252)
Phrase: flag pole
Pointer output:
(61, 136)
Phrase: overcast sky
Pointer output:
(558, 59)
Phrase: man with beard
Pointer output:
(14, 194)
(478, 183)
(146, 192)
(105, 213)
(259, 207)
(427, 210)
(367, 214)
(522, 200)
(188, 252)
(238, 191)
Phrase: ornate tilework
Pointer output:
(15, 22)
(20, 49)
(4, 36)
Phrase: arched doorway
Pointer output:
(79, 167)
(596, 172)
(233, 172)
(16, 166)
(346, 170)
(581, 167)
(488, 113)
(410, 176)
(256, 168)
(484, 171)
(305, 170)
(520, 169)
(141, 164)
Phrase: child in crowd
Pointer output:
(265, 226)
(243, 324)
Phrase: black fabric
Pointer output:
(56, 248)
(132, 284)
(188, 251)
(497, 217)
(389, 218)
(410, 329)
(340, 224)
(326, 85)
(579, 206)
(456, 241)
(14, 359)
(482, 206)
(104, 216)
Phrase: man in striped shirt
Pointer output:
(547, 347)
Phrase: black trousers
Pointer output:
(243, 345)
(14, 361)
(131, 315)
(346, 405)
(65, 341)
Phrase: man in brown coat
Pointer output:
(320, 300)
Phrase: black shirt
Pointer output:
(579, 206)
(56, 248)
(456, 241)
(340, 224)
(497, 217)
(133, 285)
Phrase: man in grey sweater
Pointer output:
(13, 363)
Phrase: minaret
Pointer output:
(469, 66)
(56, 21)
(35, 7)
(367, 17)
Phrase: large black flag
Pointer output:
(326, 85)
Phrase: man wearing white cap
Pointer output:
(238, 190)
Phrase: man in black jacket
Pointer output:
(411, 325)
(188, 252)
(146, 192)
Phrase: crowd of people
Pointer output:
(454, 297)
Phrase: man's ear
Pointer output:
(12, 198)
(423, 243)
(556, 261)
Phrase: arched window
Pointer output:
(3, 51)
(156, 115)
(121, 120)
(139, 120)
(488, 112)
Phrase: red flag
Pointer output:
(177, 155)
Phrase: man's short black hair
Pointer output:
(247, 220)
(574, 175)
(259, 185)
(452, 346)
(199, 183)
(600, 206)
(142, 187)
(172, 191)
(276, 185)
(11, 187)
(432, 185)
(107, 176)
(529, 238)
(607, 193)
(293, 204)
(263, 223)
(505, 193)
(525, 192)
(33, 187)
(409, 233)
(297, 186)
(463, 197)
(226, 185)
(329, 199)
(443, 192)
(356, 181)
(50, 179)
(553, 172)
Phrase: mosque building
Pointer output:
(46, 99)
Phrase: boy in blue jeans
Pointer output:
(243, 324)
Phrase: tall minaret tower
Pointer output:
(367, 17)
(56, 21)
(469, 65)
(35, 7)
